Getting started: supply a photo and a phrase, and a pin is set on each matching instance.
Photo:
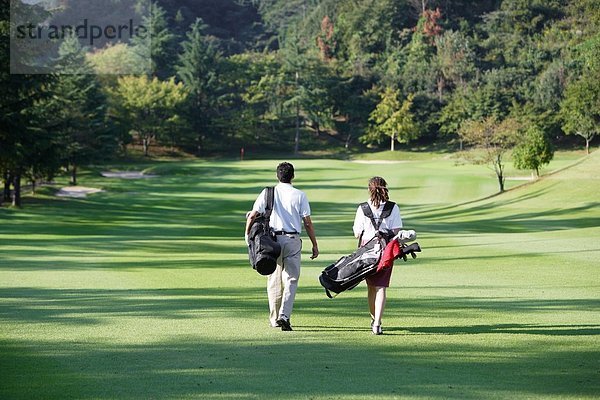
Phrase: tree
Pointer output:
(364, 30)
(257, 88)
(580, 109)
(325, 39)
(492, 140)
(198, 70)
(158, 45)
(455, 60)
(117, 59)
(390, 118)
(455, 112)
(533, 151)
(418, 74)
(150, 107)
(25, 143)
(80, 109)
(294, 68)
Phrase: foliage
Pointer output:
(580, 108)
(79, 110)
(392, 118)
(198, 69)
(270, 74)
(27, 147)
(159, 45)
(150, 108)
(418, 73)
(325, 39)
(492, 139)
(117, 59)
(455, 60)
(533, 151)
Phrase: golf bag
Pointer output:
(347, 272)
(263, 249)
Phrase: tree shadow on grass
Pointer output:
(269, 364)
(197, 368)
(513, 329)
(92, 306)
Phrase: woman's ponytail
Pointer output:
(378, 190)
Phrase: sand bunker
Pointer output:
(380, 161)
(127, 175)
(77, 191)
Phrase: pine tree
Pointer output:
(158, 46)
(80, 109)
(24, 141)
(198, 70)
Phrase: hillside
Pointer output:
(237, 25)
(572, 191)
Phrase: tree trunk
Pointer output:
(145, 141)
(501, 182)
(16, 197)
(74, 175)
(587, 146)
(499, 169)
(440, 88)
(392, 142)
(6, 191)
(297, 138)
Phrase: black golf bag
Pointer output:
(263, 249)
(347, 272)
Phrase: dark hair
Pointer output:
(285, 172)
(378, 190)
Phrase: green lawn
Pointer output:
(144, 291)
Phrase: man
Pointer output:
(290, 210)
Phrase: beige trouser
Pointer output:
(282, 284)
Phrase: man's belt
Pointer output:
(285, 233)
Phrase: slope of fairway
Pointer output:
(144, 290)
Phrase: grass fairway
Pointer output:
(144, 291)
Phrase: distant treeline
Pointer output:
(293, 75)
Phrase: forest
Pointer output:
(294, 76)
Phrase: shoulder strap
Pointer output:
(270, 200)
(366, 209)
(386, 212)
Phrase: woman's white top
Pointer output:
(363, 223)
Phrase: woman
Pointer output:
(365, 230)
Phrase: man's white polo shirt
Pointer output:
(291, 205)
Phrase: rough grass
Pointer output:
(144, 291)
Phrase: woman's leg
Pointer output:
(372, 290)
(379, 301)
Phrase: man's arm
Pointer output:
(310, 231)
